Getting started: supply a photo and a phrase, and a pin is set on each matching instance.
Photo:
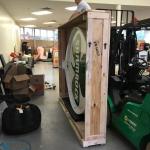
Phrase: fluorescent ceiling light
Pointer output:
(72, 8)
(30, 26)
(50, 22)
(28, 19)
(42, 12)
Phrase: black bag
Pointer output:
(21, 118)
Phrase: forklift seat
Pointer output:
(121, 95)
(133, 97)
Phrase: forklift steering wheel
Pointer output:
(139, 63)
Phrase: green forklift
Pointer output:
(129, 84)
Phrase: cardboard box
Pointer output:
(37, 83)
(39, 89)
(16, 69)
(12, 70)
(16, 82)
(21, 69)
(24, 91)
(22, 94)
(37, 79)
(32, 90)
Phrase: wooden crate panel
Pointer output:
(96, 28)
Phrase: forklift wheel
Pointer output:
(147, 147)
(145, 143)
(108, 115)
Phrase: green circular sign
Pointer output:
(75, 69)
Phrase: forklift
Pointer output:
(129, 85)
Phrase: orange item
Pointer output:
(14, 55)
(55, 59)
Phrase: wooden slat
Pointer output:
(95, 15)
(93, 80)
(96, 76)
(62, 52)
(104, 77)
(75, 22)
(79, 127)
(91, 142)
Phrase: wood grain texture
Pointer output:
(104, 76)
(62, 52)
(97, 31)
(93, 78)
(79, 127)
(97, 75)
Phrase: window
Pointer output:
(22, 31)
(39, 34)
(43, 35)
(28, 32)
(56, 35)
(50, 35)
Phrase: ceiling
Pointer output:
(22, 8)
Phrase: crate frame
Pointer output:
(96, 24)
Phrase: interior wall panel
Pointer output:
(9, 34)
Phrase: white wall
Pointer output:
(9, 34)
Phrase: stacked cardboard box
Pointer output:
(18, 84)
(16, 80)
(22, 84)
(37, 83)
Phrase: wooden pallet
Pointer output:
(96, 26)
(79, 128)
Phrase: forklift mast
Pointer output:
(123, 40)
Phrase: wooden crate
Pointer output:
(96, 26)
